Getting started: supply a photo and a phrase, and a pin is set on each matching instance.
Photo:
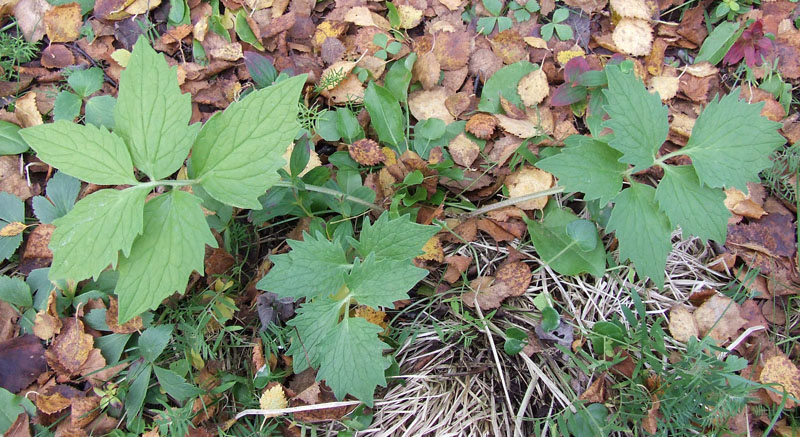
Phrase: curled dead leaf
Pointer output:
(481, 125)
(366, 152)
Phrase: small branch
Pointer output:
(332, 192)
(282, 411)
(514, 201)
(173, 183)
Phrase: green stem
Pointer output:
(515, 200)
(332, 192)
(173, 183)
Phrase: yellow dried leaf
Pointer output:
(463, 150)
(372, 315)
(633, 36)
(565, 56)
(631, 9)
(63, 23)
(273, 398)
(528, 180)
(780, 370)
(519, 128)
(329, 29)
(121, 57)
(335, 74)
(535, 42)
(410, 16)
(665, 86)
(228, 52)
(533, 88)
(313, 160)
(682, 324)
(26, 110)
(12, 229)
(432, 250)
(391, 157)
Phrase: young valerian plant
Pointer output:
(235, 158)
(730, 144)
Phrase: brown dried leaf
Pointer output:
(29, 15)
(719, 318)
(52, 403)
(509, 46)
(84, 410)
(453, 49)
(426, 70)
(37, 254)
(57, 56)
(22, 361)
(366, 152)
(463, 150)
(514, 276)
(112, 319)
(456, 266)
(482, 293)
(523, 129)
(481, 125)
(70, 349)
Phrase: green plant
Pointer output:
(523, 12)
(14, 51)
(373, 271)
(84, 83)
(234, 160)
(729, 146)
(563, 31)
(62, 191)
(486, 24)
(12, 213)
(387, 48)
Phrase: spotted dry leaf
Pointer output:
(482, 125)
(12, 229)
(366, 152)
(372, 315)
(70, 349)
(52, 403)
(514, 276)
(780, 370)
(432, 250)
(719, 318)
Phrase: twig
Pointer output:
(282, 411)
(332, 192)
(515, 200)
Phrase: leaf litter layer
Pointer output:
(455, 360)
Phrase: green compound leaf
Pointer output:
(504, 83)
(86, 82)
(324, 266)
(152, 114)
(62, 190)
(397, 239)
(381, 283)
(560, 251)
(171, 246)
(237, 154)
(386, 116)
(638, 119)
(11, 210)
(114, 215)
(698, 209)
(589, 166)
(353, 361)
(86, 152)
(643, 231)
(313, 322)
(731, 142)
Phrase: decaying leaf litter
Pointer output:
(493, 86)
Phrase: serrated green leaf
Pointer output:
(381, 283)
(324, 267)
(88, 153)
(67, 106)
(175, 385)
(353, 360)
(638, 119)
(99, 111)
(88, 239)
(16, 292)
(643, 231)
(397, 239)
(589, 166)
(10, 141)
(238, 151)
(62, 190)
(86, 82)
(152, 114)
(504, 83)
(731, 142)
(386, 116)
(171, 246)
(11, 210)
(153, 341)
(698, 209)
(313, 322)
(558, 249)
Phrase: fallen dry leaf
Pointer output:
(22, 361)
(528, 180)
(780, 370)
(533, 88)
(430, 104)
(481, 125)
(633, 36)
(366, 152)
(273, 398)
(682, 325)
(70, 349)
(463, 150)
(719, 318)
(63, 23)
